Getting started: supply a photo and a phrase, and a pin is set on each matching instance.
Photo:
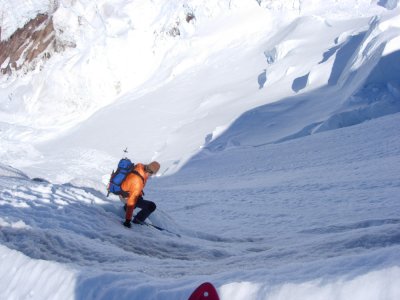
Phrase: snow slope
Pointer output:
(311, 218)
(276, 124)
(188, 80)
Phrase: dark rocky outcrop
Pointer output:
(34, 42)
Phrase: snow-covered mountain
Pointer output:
(198, 65)
(276, 124)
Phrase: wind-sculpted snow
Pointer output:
(198, 65)
(363, 84)
(277, 123)
(308, 214)
(67, 224)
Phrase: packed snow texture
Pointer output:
(128, 57)
(316, 217)
(275, 122)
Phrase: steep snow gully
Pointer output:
(322, 207)
(279, 143)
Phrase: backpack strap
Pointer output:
(123, 194)
(141, 177)
(126, 194)
(138, 174)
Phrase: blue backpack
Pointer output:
(125, 166)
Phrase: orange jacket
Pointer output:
(134, 185)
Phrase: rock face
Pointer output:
(28, 45)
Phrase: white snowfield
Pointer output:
(277, 127)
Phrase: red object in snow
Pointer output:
(205, 291)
